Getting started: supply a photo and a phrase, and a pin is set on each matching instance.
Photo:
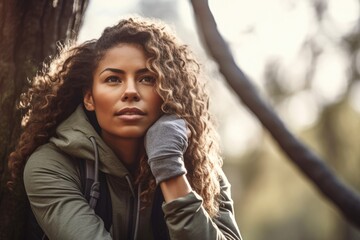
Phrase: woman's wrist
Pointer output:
(175, 187)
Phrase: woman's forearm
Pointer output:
(175, 187)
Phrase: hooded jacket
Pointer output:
(53, 185)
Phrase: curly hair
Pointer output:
(54, 95)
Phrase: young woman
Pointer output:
(134, 101)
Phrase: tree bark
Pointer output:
(29, 32)
(346, 200)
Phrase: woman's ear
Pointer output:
(89, 101)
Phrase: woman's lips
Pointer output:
(130, 114)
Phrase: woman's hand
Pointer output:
(165, 143)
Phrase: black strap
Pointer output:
(159, 227)
(103, 207)
(33, 230)
(85, 179)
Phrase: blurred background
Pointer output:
(304, 58)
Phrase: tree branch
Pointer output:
(345, 199)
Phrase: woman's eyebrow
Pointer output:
(116, 70)
(112, 70)
(143, 70)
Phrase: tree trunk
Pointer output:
(29, 33)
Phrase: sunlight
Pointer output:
(345, 14)
(330, 80)
(302, 110)
(258, 32)
(101, 14)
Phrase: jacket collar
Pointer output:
(72, 137)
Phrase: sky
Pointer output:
(260, 31)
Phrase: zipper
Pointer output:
(131, 220)
(137, 220)
(134, 210)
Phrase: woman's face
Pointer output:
(123, 94)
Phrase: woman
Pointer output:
(136, 94)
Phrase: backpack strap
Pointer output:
(103, 206)
(95, 187)
(87, 178)
(160, 230)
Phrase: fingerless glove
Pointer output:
(165, 143)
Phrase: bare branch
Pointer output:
(345, 199)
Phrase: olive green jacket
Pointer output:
(53, 185)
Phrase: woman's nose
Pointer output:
(130, 92)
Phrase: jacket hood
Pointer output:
(73, 138)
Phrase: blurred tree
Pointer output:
(29, 32)
(314, 168)
(333, 134)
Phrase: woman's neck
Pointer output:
(127, 150)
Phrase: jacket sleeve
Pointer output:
(186, 217)
(53, 187)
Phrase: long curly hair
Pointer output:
(56, 91)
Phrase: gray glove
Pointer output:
(165, 143)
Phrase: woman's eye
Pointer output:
(112, 79)
(148, 80)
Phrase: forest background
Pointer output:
(304, 59)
